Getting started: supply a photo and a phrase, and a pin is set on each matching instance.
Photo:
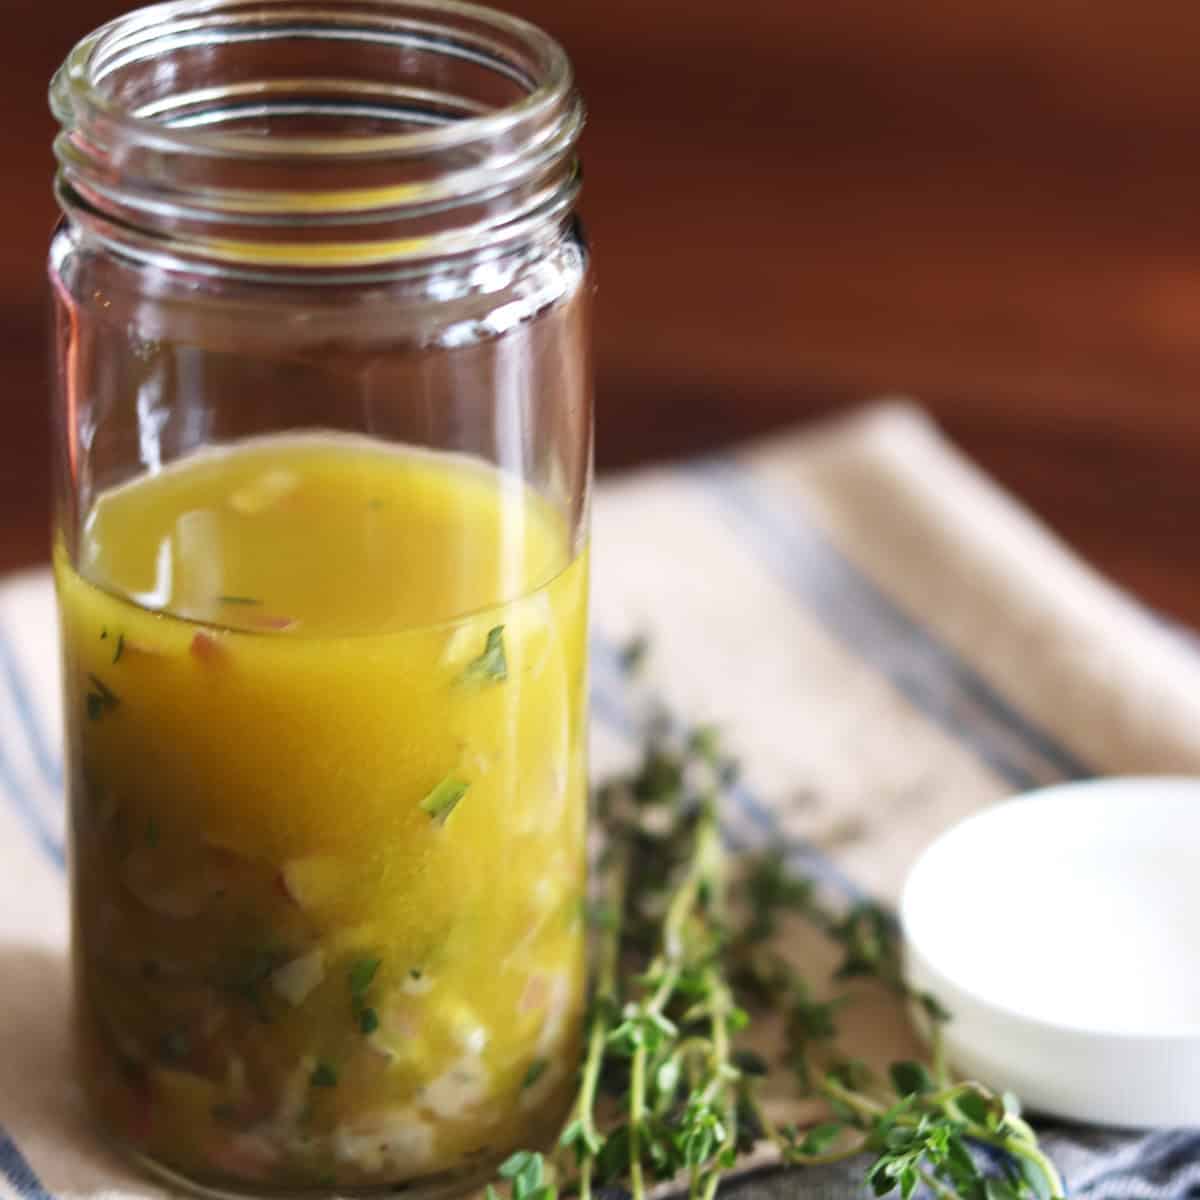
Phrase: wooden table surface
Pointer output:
(797, 205)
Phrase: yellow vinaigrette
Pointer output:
(326, 721)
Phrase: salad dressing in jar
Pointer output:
(323, 461)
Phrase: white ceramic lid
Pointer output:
(1062, 932)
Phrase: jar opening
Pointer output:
(352, 133)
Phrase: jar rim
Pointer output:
(75, 92)
(146, 169)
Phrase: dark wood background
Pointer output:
(798, 204)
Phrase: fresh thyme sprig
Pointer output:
(665, 1093)
(581, 1136)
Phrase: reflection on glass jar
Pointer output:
(323, 460)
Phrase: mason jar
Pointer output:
(323, 456)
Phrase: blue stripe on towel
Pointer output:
(31, 816)
(926, 670)
(15, 1168)
(1162, 1154)
(47, 761)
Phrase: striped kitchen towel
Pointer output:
(890, 643)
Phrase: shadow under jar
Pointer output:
(323, 455)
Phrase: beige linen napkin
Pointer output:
(889, 641)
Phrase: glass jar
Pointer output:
(324, 434)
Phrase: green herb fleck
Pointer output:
(100, 699)
(492, 665)
(247, 981)
(244, 600)
(362, 974)
(119, 650)
(176, 1045)
(103, 632)
(360, 977)
(323, 1076)
(444, 798)
(537, 1069)
(152, 833)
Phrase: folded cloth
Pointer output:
(890, 643)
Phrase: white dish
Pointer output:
(1062, 932)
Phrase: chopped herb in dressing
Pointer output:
(176, 1045)
(537, 1069)
(288, 962)
(100, 699)
(492, 665)
(248, 981)
(360, 977)
(323, 1076)
(444, 798)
